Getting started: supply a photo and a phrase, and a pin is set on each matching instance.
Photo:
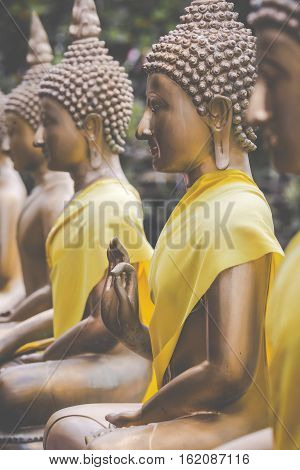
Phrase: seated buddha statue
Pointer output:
(277, 110)
(86, 105)
(12, 197)
(214, 262)
(51, 190)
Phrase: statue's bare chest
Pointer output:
(30, 229)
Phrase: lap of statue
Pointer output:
(31, 393)
(260, 440)
(85, 427)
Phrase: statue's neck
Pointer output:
(238, 160)
(6, 166)
(110, 168)
(4, 160)
(40, 174)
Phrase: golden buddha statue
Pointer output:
(275, 106)
(86, 107)
(214, 262)
(52, 190)
(12, 197)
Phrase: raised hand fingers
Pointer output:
(123, 267)
(121, 292)
(109, 311)
(119, 252)
(111, 252)
(128, 276)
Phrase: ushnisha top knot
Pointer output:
(88, 80)
(2, 116)
(283, 14)
(86, 22)
(24, 99)
(211, 53)
(40, 51)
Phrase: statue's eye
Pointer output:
(46, 121)
(154, 106)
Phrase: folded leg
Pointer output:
(85, 427)
(71, 428)
(202, 431)
(260, 440)
(31, 393)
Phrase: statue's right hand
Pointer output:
(119, 306)
(126, 288)
(116, 254)
(109, 307)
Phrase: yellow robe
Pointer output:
(283, 331)
(77, 248)
(222, 221)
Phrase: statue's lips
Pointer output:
(154, 147)
(46, 155)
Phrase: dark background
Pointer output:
(129, 28)
(125, 24)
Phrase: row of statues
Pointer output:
(109, 344)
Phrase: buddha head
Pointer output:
(200, 78)
(275, 103)
(23, 108)
(86, 99)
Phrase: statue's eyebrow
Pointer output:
(159, 87)
(12, 120)
(48, 110)
(155, 95)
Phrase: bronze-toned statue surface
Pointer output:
(275, 106)
(86, 107)
(279, 122)
(205, 339)
(52, 190)
(12, 197)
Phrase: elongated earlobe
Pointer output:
(220, 121)
(221, 152)
(92, 127)
(93, 130)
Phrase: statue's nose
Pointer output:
(5, 147)
(143, 131)
(39, 137)
(258, 113)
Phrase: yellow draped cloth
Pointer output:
(77, 248)
(283, 331)
(222, 221)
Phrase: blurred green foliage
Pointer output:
(125, 23)
(128, 25)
